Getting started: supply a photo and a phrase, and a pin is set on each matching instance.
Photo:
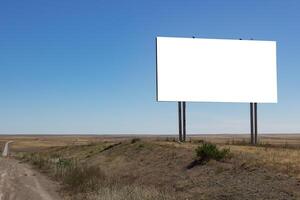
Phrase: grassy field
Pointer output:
(98, 167)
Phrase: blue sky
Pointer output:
(89, 66)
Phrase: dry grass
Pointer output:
(90, 183)
(82, 181)
(132, 192)
(155, 168)
(41, 142)
(281, 160)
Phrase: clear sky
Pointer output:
(70, 66)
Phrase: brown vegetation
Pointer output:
(155, 168)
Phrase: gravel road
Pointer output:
(19, 181)
(5, 152)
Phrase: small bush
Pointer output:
(209, 151)
(135, 140)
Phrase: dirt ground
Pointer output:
(19, 181)
(268, 171)
(164, 165)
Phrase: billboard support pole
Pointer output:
(179, 121)
(251, 123)
(184, 121)
(255, 123)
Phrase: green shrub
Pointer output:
(134, 140)
(208, 151)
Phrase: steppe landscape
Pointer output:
(149, 167)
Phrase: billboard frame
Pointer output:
(182, 110)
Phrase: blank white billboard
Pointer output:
(216, 70)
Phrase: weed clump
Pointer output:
(37, 160)
(83, 178)
(209, 151)
(135, 140)
(206, 152)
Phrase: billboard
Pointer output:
(216, 70)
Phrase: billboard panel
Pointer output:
(216, 70)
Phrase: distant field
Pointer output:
(33, 142)
(155, 167)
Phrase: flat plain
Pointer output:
(156, 167)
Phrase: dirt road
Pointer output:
(5, 150)
(19, 182)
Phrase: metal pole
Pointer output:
(255, 122)
(184, 121)
(179, 121)
(251, 123)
